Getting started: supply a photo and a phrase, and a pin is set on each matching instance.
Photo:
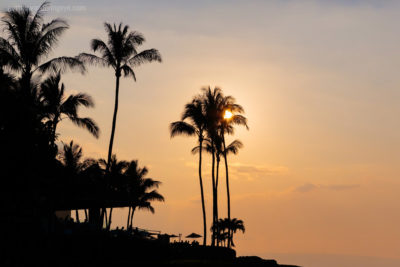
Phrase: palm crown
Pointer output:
(29, 41)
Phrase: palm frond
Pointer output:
(145, 56)
(181, 128)
(88, 124)
(60, 64)
(93, 60)
(128, 71)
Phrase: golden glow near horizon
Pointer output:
(228, 114)
(318, 173)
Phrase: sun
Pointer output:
(228, 114)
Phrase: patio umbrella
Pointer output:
(193, 235)
(173, 236)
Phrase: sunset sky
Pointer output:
(317, 182)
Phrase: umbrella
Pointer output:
(173, 236)
(193, 235)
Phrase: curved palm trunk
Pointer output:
(110, 147)
(227, 192)
(114, 121)
(131, 221)
(216, 197)
(202, 195)
(214, 235)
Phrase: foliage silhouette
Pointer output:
(56, 104)
(28, 42)
(120, 53)
(196, 126)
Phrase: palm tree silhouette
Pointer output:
(29, 40)
(140, 190)
(71, 160)
(114, 180)
(225, 229)
(57, 106)
(120, 53)
(195, 125)
(211, 100)
(226, 126)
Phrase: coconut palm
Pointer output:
(115, 181)
(29, 40)
(225, 229)
(120, 53)
(211, 101)
(235, 225)
(141, 190)
(228, 106)
(71, 160)
(193, 123)
(57, 106)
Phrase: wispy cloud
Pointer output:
(308, 187)
(252, 171)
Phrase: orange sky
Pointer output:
(319, 173)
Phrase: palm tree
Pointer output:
(226, 227)
(29, 41)
(115, 183)
(140, 190)
(71, 160)
(58, 107)
(211, 101)
(120, 53)
(235, 225)
(226, 126)
(195, 125)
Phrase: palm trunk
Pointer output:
(77, 216)
(227, 191)
(110, 147)
(86, 215)
(129, 216)
(133, 211)
(109, 219)
(216, 197)
(105, 216)
(202, 195)
(214, 235)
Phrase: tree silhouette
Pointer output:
(141, 190)
(29, 41)
(114, 180)
(120, 53)
(195, 125)
(71, 160)
(57, 106)
(225, 229)
(211, 101)
(227, 126)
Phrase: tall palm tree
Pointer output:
(57, 106)
(211, 101)
(120, 53)
(193, 123)
(232, 148)
(229, 114)
(28, 42)
(141, 190)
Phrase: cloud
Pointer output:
(308, 187)
(252, 171)
(305, 188)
